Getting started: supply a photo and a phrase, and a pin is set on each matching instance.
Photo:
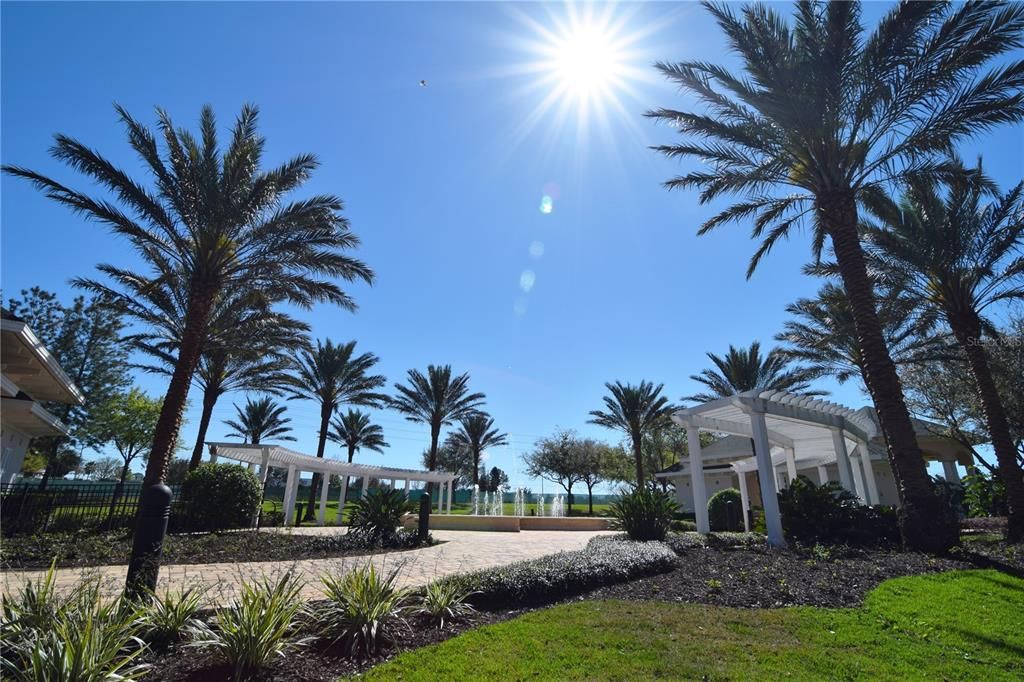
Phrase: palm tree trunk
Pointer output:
(638, 456)
(155, 499)
(325, 419)
(435, 434)
(54, 449)
(209, 401)
(118, 490)
(967, 329)
(924, 523)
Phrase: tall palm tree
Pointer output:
(822, 332)
(634, 410)
(746, 369)
(437, 399)
(825, 114)
(960, 257)
(218, 222)
(356, 432)
(475, 434)
(260, 420)
(246, 348)
(333, 375)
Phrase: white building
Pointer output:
(29, 375)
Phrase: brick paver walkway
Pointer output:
(460, 551)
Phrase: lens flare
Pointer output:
(526, 280)
(546, 205)
(536, 249)
(520, 307)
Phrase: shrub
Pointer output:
(725, 510)
(984, 495)
(682, 542)
(363, 609)
(220, 496)
(682, 526)
(443, 600)
(377, 516)
(644, 513)
(604, 561)
(259, 627)
(830, 514)
(80, 637)
(166, 618)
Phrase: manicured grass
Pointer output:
(957, 625)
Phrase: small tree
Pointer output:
(496, 478)
(594, 458)
(454, 460)
(128, 422)
(557, 459)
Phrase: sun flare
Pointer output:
(586, 60)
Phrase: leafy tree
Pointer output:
(177, 470)
(746, 369)
(128, 422)
(594, 466)
(557, 459)
(333, 375)
(824, 115)
(33, 464)
(477, 433)
(215, 222)
(959, 258)
(823, 334)
(355, 431)
(259, 420)
(85, 339)
(634, 410)
(496, 478)
(457, 461)
(436, 399)
(105, 469)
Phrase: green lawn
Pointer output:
(953, 626)
(275, 505)
(578, 508)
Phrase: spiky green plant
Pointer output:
(377, 515)
(363, 609)
(168, 617)
(443, 600)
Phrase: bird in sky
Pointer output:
(423, 84)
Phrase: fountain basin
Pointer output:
(509, 524)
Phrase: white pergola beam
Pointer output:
(728, 426)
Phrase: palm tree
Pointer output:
(634, 410)
(823, 335)
(355, 431)
(475, 434)
(259, 420)
(216, 222)
(826, 115)
(746, 369)
(333, 375)
(436, 399)
(959, 258)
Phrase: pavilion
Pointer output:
(790, 433)
(266, 456)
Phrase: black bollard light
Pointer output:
(424, 528)
(148, 544)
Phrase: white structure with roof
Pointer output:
(790, 434)
(29, 374)
(266, 456)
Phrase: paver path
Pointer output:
(461, 551)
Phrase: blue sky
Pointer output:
(443, 183)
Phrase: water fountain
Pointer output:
(498, 508)
(476, 500)
(556, 507)
(486, 511)
(519, 504)
(540, 505)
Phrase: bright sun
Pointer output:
(587, 60)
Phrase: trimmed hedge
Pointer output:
(606, 560)
(220, 497)
(682, 542)
(719, 510)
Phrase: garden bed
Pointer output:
(82, 549)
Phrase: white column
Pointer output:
(264, 470)
(341, 500)
(451, 493)
(949, 471)
(440, 496)
(405, 489)
(858, 477)
(791, 464)
(765, 475)
(869, 475)
(700, 493)
(213, 456)
(822, 475)
(842, 459)
(780, 480)
(365, 480)
(252, 467)
(325, 487)
(744, 500)
(290, 488)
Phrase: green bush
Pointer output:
(830, 514)
(441, 601)
(377, 516)
(682, 526)
(680, 543)
(362, 610)
(723, 517)
(168, 617)
(645, 513)
(220, 496)
(606, 560)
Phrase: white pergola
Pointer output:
(267, 456)
(788, 429)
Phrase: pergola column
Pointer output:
(791, 464)
(252, 467)
(341, 500)
(822, 475)
(697, 485)
(364, 482)
(949, 471)
(405, 489)
(744, 500)
(766, 477)
(290, 487)
(440, 495)
(451, 493)
(842, 459)
(858, 476)
(213, 455)
(264, 471)
(869, 474)
(325, 488)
